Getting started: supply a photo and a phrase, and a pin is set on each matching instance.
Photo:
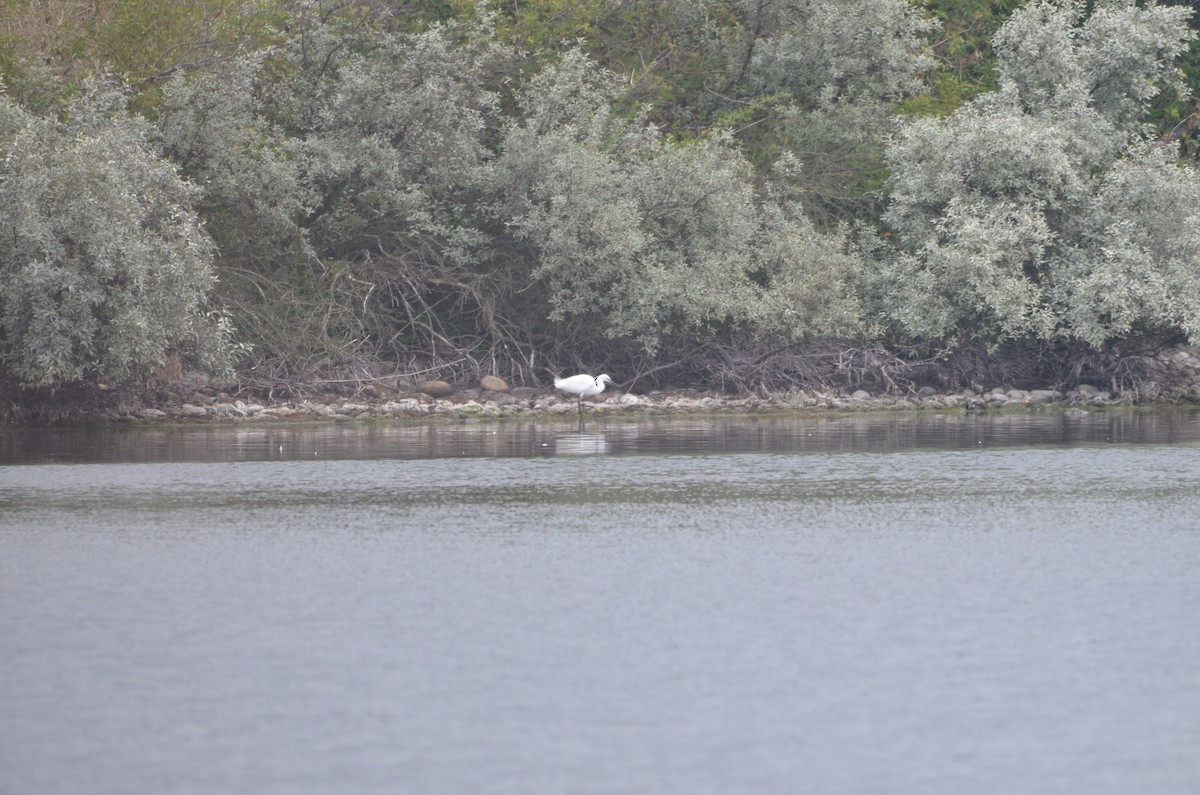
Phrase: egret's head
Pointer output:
(603, 379)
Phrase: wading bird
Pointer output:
(582, 385)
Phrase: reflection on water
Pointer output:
(866, 432)
(771, 605)
(581, 443)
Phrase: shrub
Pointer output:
(1040, 210)
(104, 269)
(641, 239)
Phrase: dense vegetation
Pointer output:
(737, 193)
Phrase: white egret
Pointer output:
(582, 385)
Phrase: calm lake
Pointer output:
(852, 604)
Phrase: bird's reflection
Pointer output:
(581, 444)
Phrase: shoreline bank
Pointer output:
(198, 398)
(217, 406)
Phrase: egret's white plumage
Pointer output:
(582, 385)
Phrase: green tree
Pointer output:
(821, 81)
(420, 197)
(656, 243)
(104, 269)
(1018, 216)
(338, 172)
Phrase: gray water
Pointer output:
(853, 605)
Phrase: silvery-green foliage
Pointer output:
(410, 109)
(974, 200)
(870, 49)
(104, 269)
(349, 136)
(1137, 267)
(832, 74)
(999, 210)
(571, 96)
(992, 150)
(338, 168)
(840, 147)
(639, 238)
(568, 219)
(398, 129)
(1037, 55)
(812, 277)
(253, 197)
(973, 273)
(1119, 54)
(645, 249)
(571, 183)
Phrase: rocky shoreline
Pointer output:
(213, 405)
(196, 398)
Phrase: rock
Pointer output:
(435, 389)
(152, 414)
(190, 410)
(1018, 394)
(926, 391)
(524, 392)
(493, 383)
(227, 410)
(1183, 359)
(351, 409)
(1086, 393)
(1044, 396)
(317, 409)
(629, 400)
(861, 394)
